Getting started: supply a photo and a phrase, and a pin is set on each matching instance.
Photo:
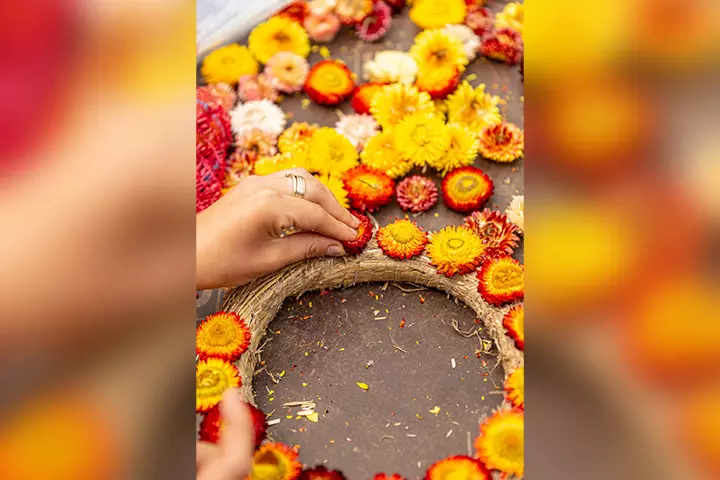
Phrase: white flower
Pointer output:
(470, 41)
(516, 211)
(260, 114)
(391, 66)
(357, 128)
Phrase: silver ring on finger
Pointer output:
(299, 185)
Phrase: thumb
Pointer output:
(302, 246)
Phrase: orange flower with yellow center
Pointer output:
(363, 95)
(514, 323)
(296, 138)
(394, 102)
(329, 82)
(503, 142)
(402, 239)
(275, 461)
(454, 250)
(223, 335)
(501, 444)
(352, 12)
(438, 82)
(466, 189)
(515, 388)
(212, 377)
(458, 467)
(368, 189)
(501, 280)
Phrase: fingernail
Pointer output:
(353, 232)
(335, 251)
(355, 221)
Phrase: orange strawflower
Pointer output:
(275, 461)
(466, 189)
(502, 143)
(514, 323)
(212, 377)
(501, 280)
(501, 444)
(224, 335)
(329, 82)
(454, 250)
(368, 189)
(402, 239)
(457, 467)
(515, 388)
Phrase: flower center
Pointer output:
(420, 134)
(208, 379)
(467, 184)
(455, 243)
(509, 446)
(219, 335)
(269, 466)
(507, 277)
(501, 138)
(281, 38)
(402, 233)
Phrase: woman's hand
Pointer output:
(244, 235)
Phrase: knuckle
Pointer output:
(311, 250)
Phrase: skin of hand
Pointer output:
(241, 236)
(231, 458)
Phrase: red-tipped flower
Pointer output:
(495, 230)
(416, 194)
(321, 473)
(329, 82)
(501, 279)
(364, 230)
(466, 189)
(368, 189)
(460, 467)
(504, 45)
(375, 25)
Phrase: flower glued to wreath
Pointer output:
(516, 211)
(438, 82)
(330, 152)
(428, 14)
(421, 138)
(256, 87)
(416, 194)
(278, 34)
(287, 72)
(321, 473)
(502, 143)
(501, 444)
(454, 250)
(322, 28)
(466, 189)
(275, 461)
(362, 97)
(394, 102)
(480, 20)
(227, 64)
(260, 114)
(457, 467)
(504, 45)
(380, 154)
(217, 95)
(514, 323)
(297, 137)
(365, 231)
(402, 239)
(435, 49)
(223, 335)
(391, 66)
(329, 82)
(496, 232)
(296, 11)
(470, 41)
(512, 16)
(212, 377)
(256, 141)
(501, 279)
(357, 128)
(515, 388)
(367, 188)
(473, 107)
(211, 425)
(376, 25)
(336, 187)
(461, 152)
(353, 12)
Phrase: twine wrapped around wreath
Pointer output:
(259, 301)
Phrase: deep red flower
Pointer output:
(365, 231)
(375, 25)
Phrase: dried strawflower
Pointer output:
(503, 142)
(335, 184)
(256, 141)
(380, 154)
(466, 189)
(217, 94)
(480, 20)
(240, 164)
(357, 128)
(365, 231)
(322, 7)
(460, 467)
(321, 473)
(227, 64)
(384, 476)
(496, 232)
(512, 16)
(212, 377)
(394, 102)
(514, 323)
(416, 194)
(211, 425)
(501, 279)
(473, 107)
(428, 14)
(437, 49)
(466, 35)
(391, 66)
(516, 211)
(297, 137)
(421, 138)
(352, 12)
(287, 71)
(363, 95)
(223, 335)
(500, 445)
(375, 26)
(260, 114)
(329, 82)
(278, 34)
(368, 189)
(401, 239)
(504, 45)
(256, 87)
(461, 151)
(296, 11)
(515, 388)
(438, 82)
(330, 152)
(454, 250)
(275, 461)
(322, 28)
